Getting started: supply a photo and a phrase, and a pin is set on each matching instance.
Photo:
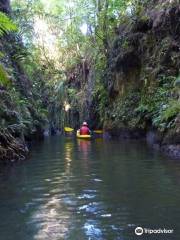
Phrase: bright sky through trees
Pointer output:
(84, 28)
(61, 31)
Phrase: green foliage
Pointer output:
(31, 114)
(6, 25)
(49, 65)
(100, 96)
(155, 101)
(4, 79)
(124, 109)
(154, 104)
(171, 111)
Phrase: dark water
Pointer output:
(97, 190)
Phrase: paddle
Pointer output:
(98, 131)
(68, 129)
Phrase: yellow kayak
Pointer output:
(82, 136)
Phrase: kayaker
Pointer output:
(84, 130)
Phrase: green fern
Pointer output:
(172, 110)
(6, 24)
(1, 54)
(4, 78)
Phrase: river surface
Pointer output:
(89, 190)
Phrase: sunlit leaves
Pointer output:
(6, 25)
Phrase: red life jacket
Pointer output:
(84, 130)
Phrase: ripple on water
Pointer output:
(107, 215)
(97, 180)
(39, 200)
(90, 190)
(92, 207)
(86, 196)
(49, 223)
(100, 197)
(69, 201)
(38, 189)
(92, 230)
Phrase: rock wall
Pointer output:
(80, 85)
(143, 73)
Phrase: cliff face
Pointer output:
(80, 86)
(138, 95)
(142, 76)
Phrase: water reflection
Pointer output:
(49, 224)
(84, 152)
(92, 230)
(68, 146)
(68, 150)
(88, 190)
(84, 147)
(51, 219)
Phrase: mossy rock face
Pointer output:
(172, 137)
(110, 125)
(142, 71)
(119, 130)
(127, 62)
(142, 25)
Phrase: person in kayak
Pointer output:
(84, 130)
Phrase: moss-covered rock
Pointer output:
(142, 73)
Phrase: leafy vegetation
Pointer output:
(6, 24)
(4, 79)
(99, 61)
